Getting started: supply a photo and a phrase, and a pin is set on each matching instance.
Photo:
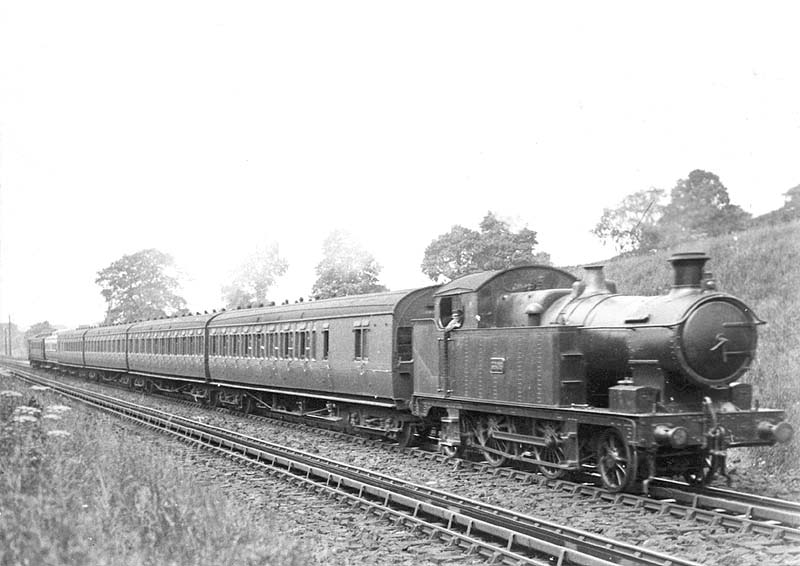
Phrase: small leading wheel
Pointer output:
(552, 451)
(616, 461)
(495, 452)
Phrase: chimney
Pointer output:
(688, 268)
(594, 281)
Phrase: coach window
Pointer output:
(326, 343)
(360, 340)
(287, 348)
(405, 350)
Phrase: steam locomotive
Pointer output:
(523, 364)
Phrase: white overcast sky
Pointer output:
(204, 128)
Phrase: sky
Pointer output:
(204, 129)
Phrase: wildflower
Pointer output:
(26, 410)
(58, 433)
(39, 387)
(10, 394)
(51, 417)
(58, 408)
(24, 419)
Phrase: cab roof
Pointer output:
(520, 278)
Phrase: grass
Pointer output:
(77, 489)
(761, 267)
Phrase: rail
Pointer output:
(496, 533)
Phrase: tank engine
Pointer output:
(583, 378)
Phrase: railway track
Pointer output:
(498, 534)
(734, 511)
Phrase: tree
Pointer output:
(791, 204)
(39, 329)
(13, 339)
(699, 206)
(138, 286)
(255, 277)
(463, 250)
(345, 269)
(631, 226)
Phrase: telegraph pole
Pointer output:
(8, 333)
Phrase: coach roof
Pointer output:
(353, 305)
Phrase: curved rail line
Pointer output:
(496, 533)
(743, 512)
